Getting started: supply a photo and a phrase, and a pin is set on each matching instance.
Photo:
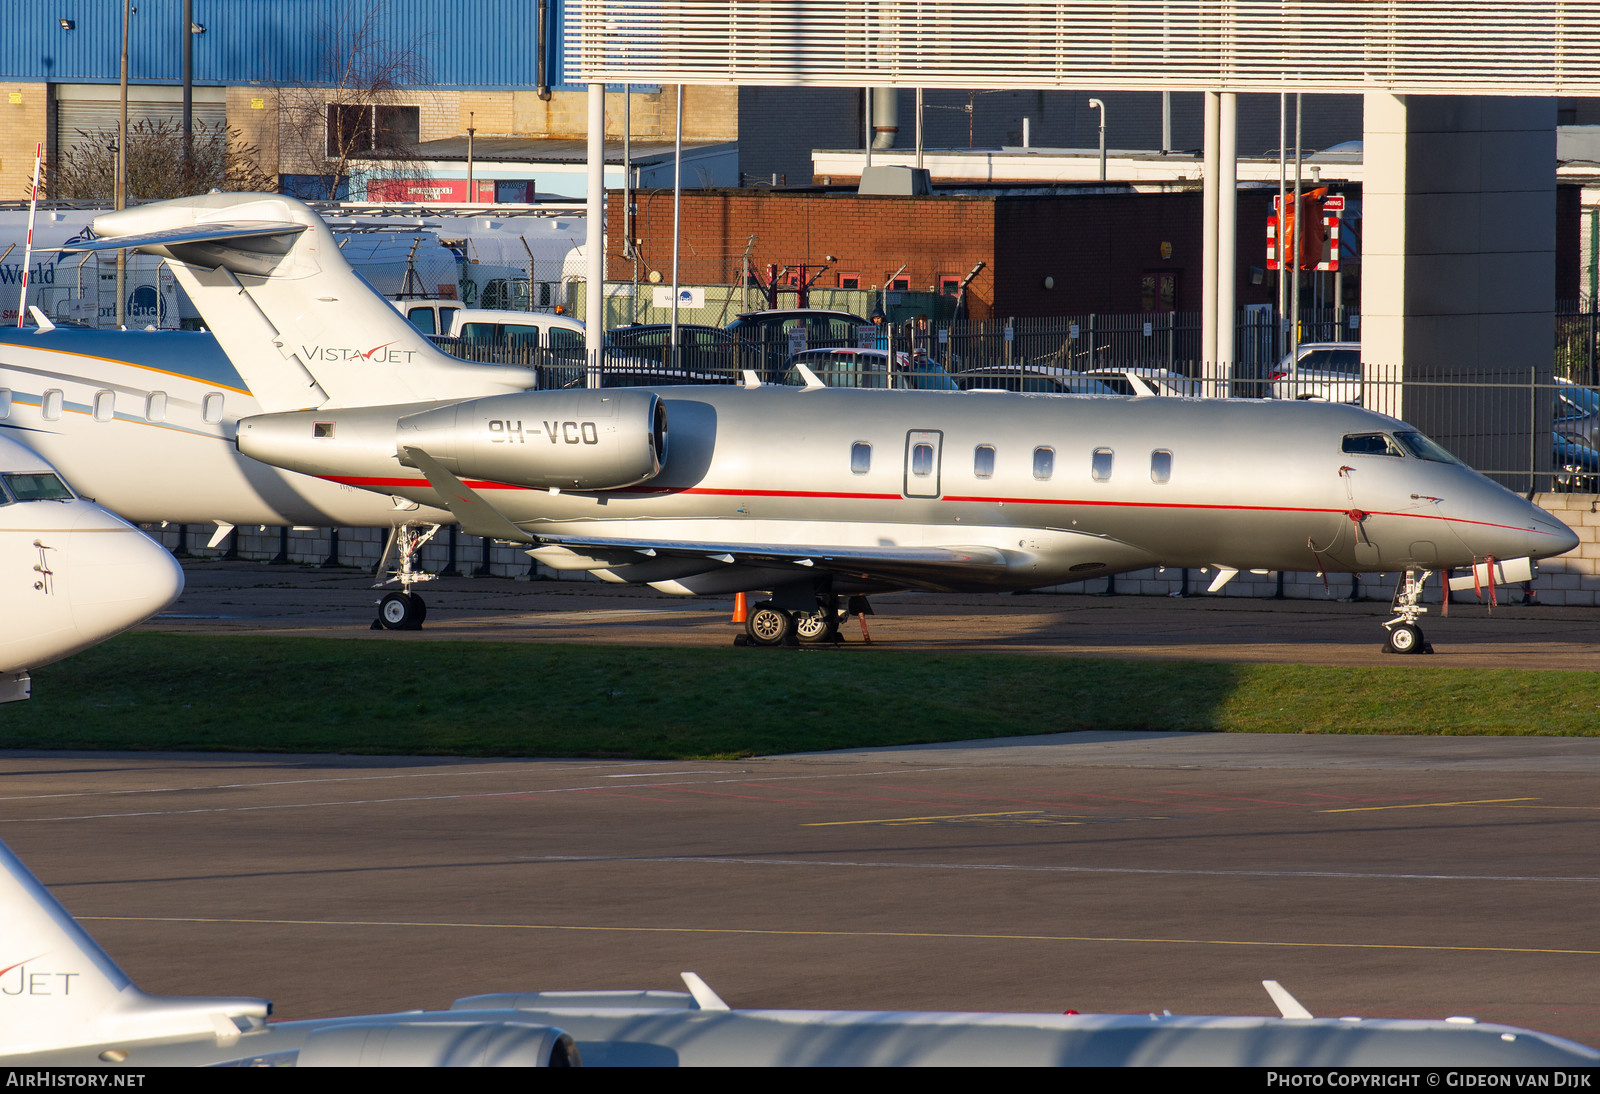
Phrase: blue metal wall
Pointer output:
(479, 44)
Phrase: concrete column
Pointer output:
(1227, 239)
(1208, 249)
(594, 242)
(1458, 270)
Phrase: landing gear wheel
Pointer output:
(819, 626)
(768, 625)
(401, 612)
(1405, 638)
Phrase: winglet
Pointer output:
(43, 320)
(476, 516)
(751, 380)
(1140, 386)
(812, 382)
(704, 997)
(1288, 1005)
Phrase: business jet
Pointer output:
(65, 1003)
(74, 574)
(811, 494)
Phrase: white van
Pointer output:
(429, 316)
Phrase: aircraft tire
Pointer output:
(816, 627)
(401, 612)
(768, 625)
(1405, 639)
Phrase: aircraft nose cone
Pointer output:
(116, 576)
(1551, 537)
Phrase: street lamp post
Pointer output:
(1096, 104)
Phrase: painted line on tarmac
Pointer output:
(1426, 805)
(793, 933)
(1049, 817)
(1357, 875)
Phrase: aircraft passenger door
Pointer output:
(922, 462)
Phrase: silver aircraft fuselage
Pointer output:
(1036, 489)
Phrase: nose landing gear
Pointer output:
(1404, 634)
(404, 610)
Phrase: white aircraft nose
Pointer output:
(114, 575)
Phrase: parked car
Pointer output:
(850, 367)
(1031, 380)
(1329, 371)
(771, 339)
(1577, 411)
(1577, 465)
(701, 349)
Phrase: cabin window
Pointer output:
(1100, 467)
(105, 406)
(983, 461)
(155, 407)
(5, 402)
(52, 405)
(1044, 462)
(1160, 465)
(861, 457)
(922, 460)
(211, 407)
(1371, 444)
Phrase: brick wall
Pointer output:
(24, 119)
(1095, 246)
(871, 236)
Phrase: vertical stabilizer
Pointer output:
(59, 989)
(303, 328)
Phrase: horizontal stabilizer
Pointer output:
(280, 232)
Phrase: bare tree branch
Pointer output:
(220, 159)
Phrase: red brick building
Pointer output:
(1044, 254)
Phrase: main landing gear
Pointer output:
(1404, 634)
(768, 624)
(404, 610)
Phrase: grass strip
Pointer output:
(264, 694)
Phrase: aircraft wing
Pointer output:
(199, 233)
(927, 567)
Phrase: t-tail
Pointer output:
(59, 989)
(303, 328)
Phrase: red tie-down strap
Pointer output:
(1477, 584)
(1322, 571)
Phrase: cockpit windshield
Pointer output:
(37, 486)
(1424, 449)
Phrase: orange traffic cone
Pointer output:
(739, 607)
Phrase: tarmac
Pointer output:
(1121, 872)
(259, 598)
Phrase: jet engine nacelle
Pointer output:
(449, 1043)
(574, 440)
(571, 440)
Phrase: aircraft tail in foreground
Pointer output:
(303, 328)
